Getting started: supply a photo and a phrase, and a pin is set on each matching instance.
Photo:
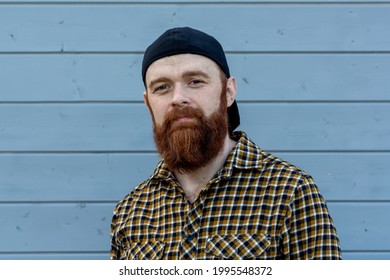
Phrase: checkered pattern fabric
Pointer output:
(256, 207)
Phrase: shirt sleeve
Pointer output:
(309, 231)
(114, 252)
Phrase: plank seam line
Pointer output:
(78, 203)
(84, 203)
(12, 152)
(107, 252)
(307, 52)
(196, 3)
(53, 252)
(139, 102)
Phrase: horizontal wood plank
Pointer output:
(127, 127)
(317, 126)
(366, 255)
(109, 177)
(70, 78)
(67, 177)
(261, 77)
(75, 127)
(130, 28)
(362, 226)
(55, 227)
(55, 256)
(192, 2)
(346, 176)
(78, 227)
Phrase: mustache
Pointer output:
(184, 112)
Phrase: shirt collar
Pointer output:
(245, 155)
(162, 171)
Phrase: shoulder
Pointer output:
(124, 206)
(297, 184)
(144, 188)
(287, 173)
(250, 155)
(272, 170)
(275, 164)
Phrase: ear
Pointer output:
(146, 101)
(231, 89)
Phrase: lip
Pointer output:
(184, 119)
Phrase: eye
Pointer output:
(161, 88)
(196, 82)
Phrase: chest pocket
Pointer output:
(145, 250)
(238, 246)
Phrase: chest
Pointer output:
(220, 223)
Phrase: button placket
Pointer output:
(190, 231)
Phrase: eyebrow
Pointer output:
(157, 81)
(186, 74)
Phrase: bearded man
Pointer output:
(215, 194)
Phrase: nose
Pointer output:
(180, 97)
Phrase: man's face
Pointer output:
(188, 100)
(183, 80)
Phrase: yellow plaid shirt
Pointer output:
(256, 207)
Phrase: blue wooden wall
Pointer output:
(75, 136)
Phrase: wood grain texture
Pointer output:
(202, 2)
(109, 177)
(127, 127)
(72, 177)
(84, 227)
(55, 227)
(260, 77)
(124, 28)
(55, 256)
(357, 224)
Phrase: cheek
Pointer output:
(211, 106)
(159, 119)
(157, 111)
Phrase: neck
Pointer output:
(193, 182)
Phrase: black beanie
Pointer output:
(183, 40)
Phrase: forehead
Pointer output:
(181, 63)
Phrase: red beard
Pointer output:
(187, 146)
